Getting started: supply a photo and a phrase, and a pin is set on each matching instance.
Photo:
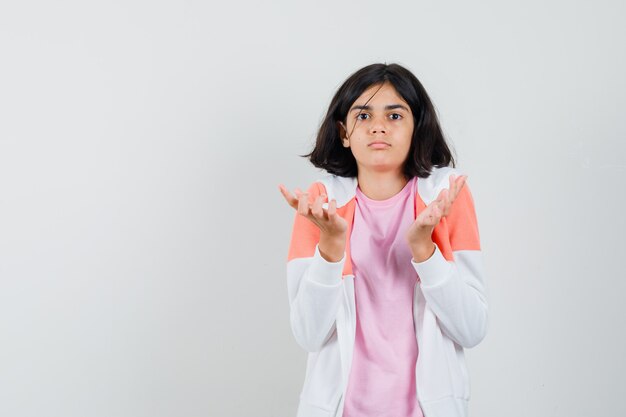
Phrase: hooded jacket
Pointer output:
(449, 302)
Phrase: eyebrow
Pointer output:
(387, 107)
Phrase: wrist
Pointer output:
(332, 248)
(423, 250)
(420, 236)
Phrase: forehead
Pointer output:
(380, 98)
(385, 94)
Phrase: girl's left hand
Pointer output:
(422, 228)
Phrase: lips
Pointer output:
(379, 145)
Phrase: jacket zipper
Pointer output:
(415, 313)
(350, 311)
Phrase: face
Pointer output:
(387, 119)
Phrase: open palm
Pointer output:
(327, 220)
(428, 218)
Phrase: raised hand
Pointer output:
(421, 230)
(331, 224)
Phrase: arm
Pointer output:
(455, 290)
(314, 284)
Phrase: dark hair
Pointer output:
(428, 146)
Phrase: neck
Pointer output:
(380, 185)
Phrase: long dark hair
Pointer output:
(428, 145)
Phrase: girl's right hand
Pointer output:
(331, 224)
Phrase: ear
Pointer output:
(343, 135)
(342, 129)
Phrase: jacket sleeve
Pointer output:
(314, 285)
(455, 290)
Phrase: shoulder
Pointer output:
(429, 188)
(342, 189)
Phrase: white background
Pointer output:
(143, 239)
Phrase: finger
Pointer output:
(433, 215)
(324, 199)
(455, 187)
(435, 210)
(303, 204)
(453, 184)
(443, 195)
(442, 204)
(430, 209)
(291, 200)
(439, 210)
(460, 182)
(332, 209)
(316, 209)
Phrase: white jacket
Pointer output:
(449, 303)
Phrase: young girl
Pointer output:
(385, 276)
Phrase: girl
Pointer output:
(384, 273)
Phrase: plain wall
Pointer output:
(143, 239)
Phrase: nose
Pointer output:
(378, 126)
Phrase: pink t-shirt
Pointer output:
(382, 377)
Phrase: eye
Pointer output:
(396, 114)
(358, 116)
